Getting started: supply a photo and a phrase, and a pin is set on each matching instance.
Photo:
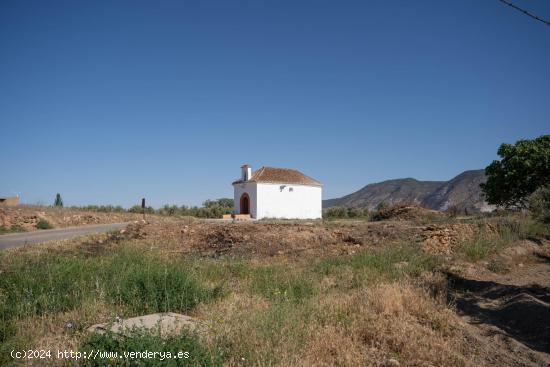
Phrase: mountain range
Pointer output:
(462, 191)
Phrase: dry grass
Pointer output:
(364, 327)
(319, 294)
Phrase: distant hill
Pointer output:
(462, 191)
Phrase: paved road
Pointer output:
(28, 238)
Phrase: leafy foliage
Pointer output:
(341, 212)
(44, 224)
(210, 209)
(524, 167)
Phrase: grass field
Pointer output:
(362, 307)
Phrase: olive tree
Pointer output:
(523, 168)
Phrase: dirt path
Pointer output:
(28, 238)
(509, 313)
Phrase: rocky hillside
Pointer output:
(462, 191)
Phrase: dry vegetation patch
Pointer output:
(28, 217)
(343, 293)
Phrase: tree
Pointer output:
(524, 167)
(223, 202)
(58, 201)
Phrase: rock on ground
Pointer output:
(169, 324)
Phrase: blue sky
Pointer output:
(110, 101)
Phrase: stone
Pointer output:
(167, 323)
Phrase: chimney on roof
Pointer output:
(246, 172)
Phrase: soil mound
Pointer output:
(405, 211)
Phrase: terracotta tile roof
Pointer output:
(281, 175)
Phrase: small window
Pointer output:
(290, 189)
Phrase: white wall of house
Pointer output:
(251, 189)
(287, 201)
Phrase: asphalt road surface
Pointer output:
(39, 236)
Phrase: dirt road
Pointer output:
(510, 312)
(28, 238)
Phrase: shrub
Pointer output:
(44, 224)
(335, 212)
(539, 205)
(210, 209)
(151, 341)
(341, 212)
(17, 228)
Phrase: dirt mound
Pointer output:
(248, 239)
(405, 211)
(263, 239)
(222, 239)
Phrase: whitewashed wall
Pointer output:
(250, 189)
(279, 201)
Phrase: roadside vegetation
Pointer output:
(14, 228)
(43, 224)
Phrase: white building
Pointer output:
(277, 193)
